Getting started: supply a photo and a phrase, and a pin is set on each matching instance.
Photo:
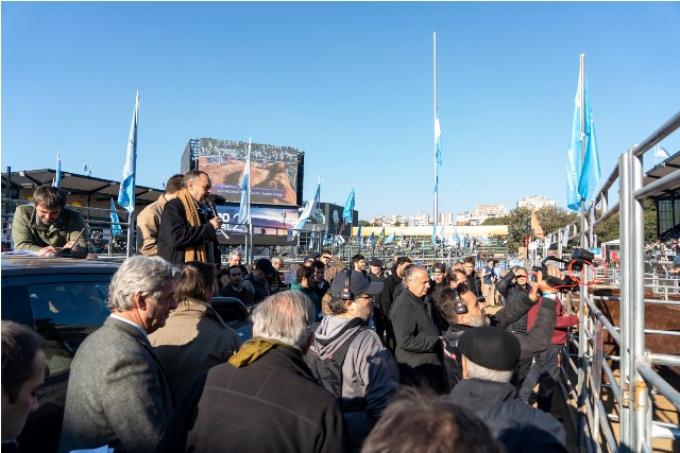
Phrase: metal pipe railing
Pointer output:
(663, 387)
(655, 137)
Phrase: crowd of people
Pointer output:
(361, 356)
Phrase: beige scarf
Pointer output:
(193, 252)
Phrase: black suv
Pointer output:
(64, 300)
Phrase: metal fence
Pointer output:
(630, 394)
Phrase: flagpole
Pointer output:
(582, 94)
(434, 121)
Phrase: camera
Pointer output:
(579, 258)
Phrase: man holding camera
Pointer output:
(463, 310)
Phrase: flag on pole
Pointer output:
(244, 207)
(116, 229)
(582, 177)
(126, 195)
(660, 154)
(390, 239)
(372, 239)
(57, 175)
(434, 235)
(359, 234)
(591, 171)
(382, 235)
(349, 207)
(437, 151)
(311, 209)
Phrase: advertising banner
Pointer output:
(274, 170)
(266, 220)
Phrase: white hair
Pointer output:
(139, 274)
(486, 374)
(284, 317)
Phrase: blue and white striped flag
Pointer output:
(244, 207)
(126, 195)
(437, 151)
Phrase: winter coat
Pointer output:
(270, 405)
(369, 372)
(417, 336)
(175, 234)
(518, 426)
(387, 296)
(194, 339)
(29, 234)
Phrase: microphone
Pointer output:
(211, 201)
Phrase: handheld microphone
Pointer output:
(211, 201)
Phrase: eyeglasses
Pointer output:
(521, 276)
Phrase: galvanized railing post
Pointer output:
(624, 300)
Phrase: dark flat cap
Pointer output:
(490, 347)
(358, 284)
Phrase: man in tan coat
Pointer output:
(149, 219)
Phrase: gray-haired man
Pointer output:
(265, 399)
(118, 394)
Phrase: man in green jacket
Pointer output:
(48, 227)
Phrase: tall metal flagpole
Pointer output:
(434, 122)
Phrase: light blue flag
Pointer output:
(390, 239)
(126, 195)
(310, 210)
(437, 151)
(349, 207)
(244, 207)
(434, 235)
(582, 177)
(359, 234)
(116, 229)
(590, 171)
(57, 175)
(382, 234)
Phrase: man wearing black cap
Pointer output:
(376, 268)
(349, 358)
(489, 356)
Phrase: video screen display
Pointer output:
(274, 170)
(266, 221)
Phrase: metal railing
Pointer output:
(632, 394)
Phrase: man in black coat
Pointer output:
(418, 345)
(265, 399)
(387, 297)
(473, 279)
(188, 231)
(489, 356)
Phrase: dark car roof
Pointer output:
(23, 265)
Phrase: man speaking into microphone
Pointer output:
(188, 229)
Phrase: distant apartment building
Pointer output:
(464, 218)
(446, 218)
(489, 210)
(422, 218)
(536, 202)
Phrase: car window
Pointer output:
(66, 313)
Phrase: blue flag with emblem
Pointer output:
(244, 207)
(126, 194)
(116, 229)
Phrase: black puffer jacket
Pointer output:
(513, 294)
(519, 427)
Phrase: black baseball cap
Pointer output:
(358, 284)
(490, 347)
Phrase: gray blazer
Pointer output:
(118, 394)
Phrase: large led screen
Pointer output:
(274, 170)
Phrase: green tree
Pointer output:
(365, 223)
(609, 230)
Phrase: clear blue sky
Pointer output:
(348, 83)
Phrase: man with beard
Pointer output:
(392, 282)
(48, 227)
(463, 311)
